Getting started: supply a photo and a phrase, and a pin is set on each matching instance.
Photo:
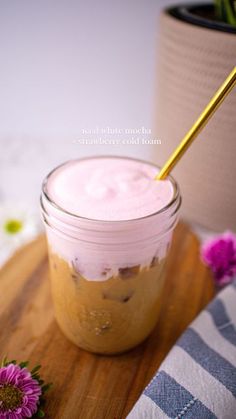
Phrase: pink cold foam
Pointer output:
(109, 189)
(108, 192)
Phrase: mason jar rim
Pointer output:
(176, 194)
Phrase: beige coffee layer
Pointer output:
(108, 316)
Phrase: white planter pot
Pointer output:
(193, 61)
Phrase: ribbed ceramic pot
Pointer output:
(195, 56)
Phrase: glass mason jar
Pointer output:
(118, 308)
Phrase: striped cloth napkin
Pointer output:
(197, 380)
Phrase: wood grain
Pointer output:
(91, 386)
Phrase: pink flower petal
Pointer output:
(27, 412)
(219, 254)
(22, 379)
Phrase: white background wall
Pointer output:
(68, 65)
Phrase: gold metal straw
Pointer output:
(202, 120)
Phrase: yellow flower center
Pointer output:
(10, 398)
(13, 226)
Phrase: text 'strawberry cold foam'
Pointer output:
(109, 225)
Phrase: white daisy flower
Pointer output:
(18, 225)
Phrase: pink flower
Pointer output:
(19, 392)
(220, 255)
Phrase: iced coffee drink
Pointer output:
(109, 226)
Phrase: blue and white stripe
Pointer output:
(197, 380)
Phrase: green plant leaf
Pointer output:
(35, 369)
(24, 364)
(40, 413)
(46, 387)
(229, 10)
(4, 360)
(41, 382)
(226, 11)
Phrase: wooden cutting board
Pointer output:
(91, 386)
